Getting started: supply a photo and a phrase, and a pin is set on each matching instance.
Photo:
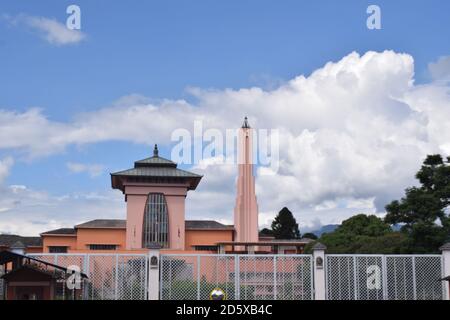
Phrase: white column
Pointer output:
(319, 271)
(153, 274)
(445, 249)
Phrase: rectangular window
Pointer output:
(206, 248)
(57, 249)
(102, 247)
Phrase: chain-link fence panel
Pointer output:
(73, 262)
(428, 275)
(294, 278)
(256, 277)
(354, 277)
(110, 276)
(400, 282)
(217, 272)
(369, 278)
(179, 277)
(132, 275)
(389, 277)
(245, 277)
(340, 275)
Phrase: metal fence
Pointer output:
(258, 277)
(110, 276)
(2, 284)
(384, 277)
(244, 277)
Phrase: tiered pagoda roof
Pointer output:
(155, 169)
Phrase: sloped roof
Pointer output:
(152, 171)
(7, 240)
(29, 262)
(155, 161)
(60, 231)
(121, 224)
(155, 169)
(103, 223)
(18, 245)
(41, 273)
(206, 224)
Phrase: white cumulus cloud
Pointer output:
(352, 136)
(440, 69)
(93, 170)
(51, 30)
(29, 212)
(5, 166)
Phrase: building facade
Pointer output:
(155, 191)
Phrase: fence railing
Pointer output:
(244, 277)
(384, 277)
(110, 276)
(260, 277)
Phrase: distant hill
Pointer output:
(326, 229)
(331, 227)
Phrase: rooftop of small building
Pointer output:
(271, 242)
(8, 240)
(60, 231)
(206, 224)
(103, 224)
(33, 264)
(121, 224)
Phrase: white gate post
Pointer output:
(319, 271)
(445, 249)
(153, 274)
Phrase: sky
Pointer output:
(357, 109)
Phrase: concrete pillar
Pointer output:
(445, 249)
(153, 273)
(319, 271)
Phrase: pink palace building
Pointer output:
(155, 191)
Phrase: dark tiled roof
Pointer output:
(206, 224)
(61, 231)
(7, 240)
(121, 224)
(31, 262)
(171, 172)
(104, 223)
(35, 269)
(155, 169)
(155, 161)
(18, 245)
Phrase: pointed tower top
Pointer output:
(155, 151)
(245, 124)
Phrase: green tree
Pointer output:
(364, 234)
(310, 235)
(284, 226)
(422, 212)
(266, 232)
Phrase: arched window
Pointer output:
(156, 221)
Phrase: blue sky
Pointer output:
(160, 49)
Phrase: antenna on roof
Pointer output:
(155, 151)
